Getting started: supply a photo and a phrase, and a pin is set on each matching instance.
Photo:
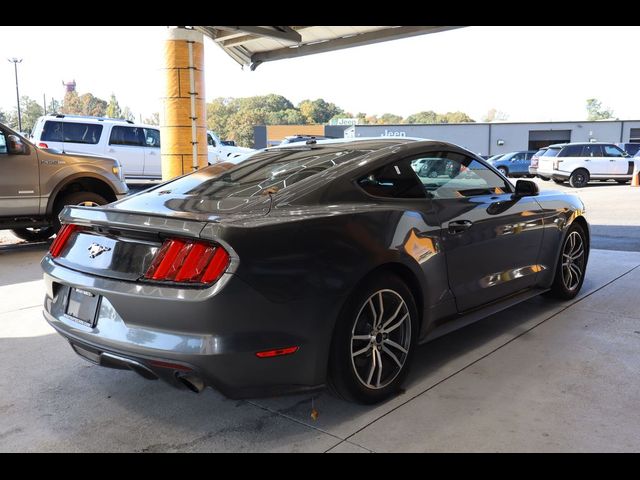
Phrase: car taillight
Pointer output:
(43, 145)
(186, 261)
(62, 237)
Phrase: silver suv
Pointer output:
(35, 184)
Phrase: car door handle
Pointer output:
(459, 226)
(112, 150)
(612, 160)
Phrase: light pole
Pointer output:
(15, 62)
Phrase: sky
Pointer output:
(530, 73)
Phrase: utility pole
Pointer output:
(15, 62)
(44, 102)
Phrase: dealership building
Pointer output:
(495, 138)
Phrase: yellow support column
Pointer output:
(183, 129)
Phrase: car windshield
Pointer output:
(540, 152)
(263, 173)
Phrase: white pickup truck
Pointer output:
(221, 150)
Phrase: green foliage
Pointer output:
(54, 106)
(432, 117)
(85, 104)
(3, 117)
(423, 117)
(390, 118)
(113, 109)
(235, 118)
(318, 111)
(595, 110)
(30, 110)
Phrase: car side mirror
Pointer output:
(15, 145)
(526, 188)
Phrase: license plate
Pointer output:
(83, 306)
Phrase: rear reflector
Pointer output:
(43, 145)
(61, 238)
(184, 261)
(277, 352)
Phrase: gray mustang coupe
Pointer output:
(311, 264)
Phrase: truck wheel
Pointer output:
(88, 199)
(33, 234)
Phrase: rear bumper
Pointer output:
(215, 337)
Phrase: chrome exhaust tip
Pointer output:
(193, 383)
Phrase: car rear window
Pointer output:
(265, 172)
(552, 152)
(540, 152)
(71, 132)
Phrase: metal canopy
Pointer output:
(254, 45)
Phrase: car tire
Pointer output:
(570, 270)
(75, 198)
(370, 356)
(579, 178)
(558, 181)
(33, 234)
(503, 171)
(622, 182)
(546, 179)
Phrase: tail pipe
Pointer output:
(192, 382)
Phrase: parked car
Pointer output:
(36, 184)
(303, 138)
(136, 146)
(494, 157)
(581, 162)
(533, 166)
(514, 164)
(223, 150)
(630, 148)
(304, 267)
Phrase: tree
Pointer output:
(318, 111)
(54, 106)
(71, 104)
(595, 111)
(423, 117)
(494, 115)
(455, 117)
(154, 119)
(30, 110)
(92, 106)
(113, 109)
(3, 117)
(127, 114)
(390, 118)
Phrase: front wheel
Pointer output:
(571, 265)
(85, 199)
(579, 178)
(503, 171)
(373, 341)
(546, 179)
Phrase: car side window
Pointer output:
(592, 151)
(129, 136)
(518, 157)
(612, 151)
(152, 137)
(3, 143)
(211, 141)
(453, 175)
(572, 151)
(396, 180)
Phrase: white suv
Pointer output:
(581, 162)
(136, 146)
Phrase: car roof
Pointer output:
(90, 119)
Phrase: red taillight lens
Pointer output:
(43, 145)
(61, 239)
(188, 262)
